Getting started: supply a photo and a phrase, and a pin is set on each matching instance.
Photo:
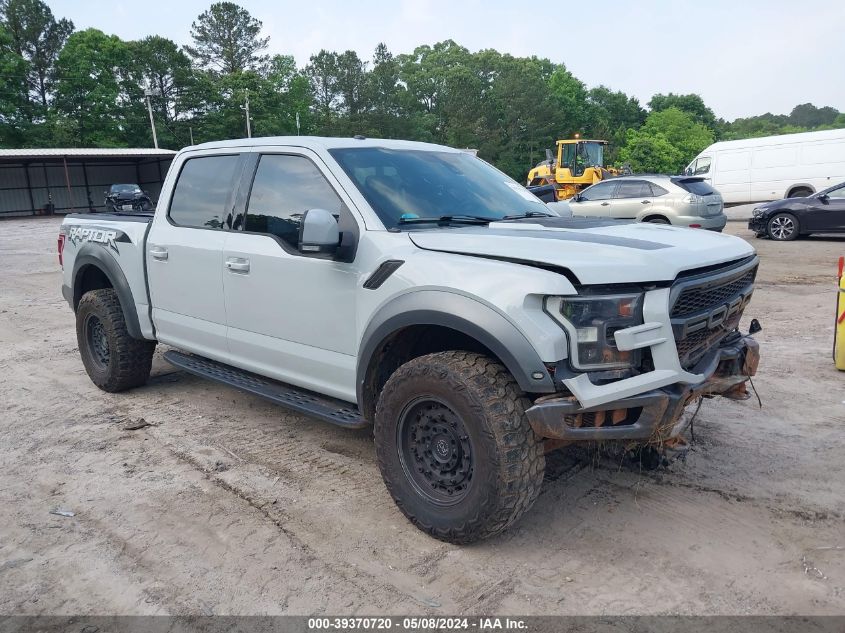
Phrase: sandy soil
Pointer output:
(229, 505)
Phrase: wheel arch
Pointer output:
(427, 321)
(797, 186)
(94, 269)
(651, 215)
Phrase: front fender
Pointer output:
(465, 315)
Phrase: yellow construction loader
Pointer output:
(579, 163)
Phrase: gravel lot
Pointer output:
(228, 505)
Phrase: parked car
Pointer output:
(678, 200)
(416, 288)
(127, 198)
(772, 167)
(783, 220)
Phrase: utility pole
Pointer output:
(246, 106)
(148, 93)
(191, 132)
(297, 123)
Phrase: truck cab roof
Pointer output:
(321, 143)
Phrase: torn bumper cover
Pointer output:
(652, 416)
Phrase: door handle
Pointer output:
(237, 264)
(158, 252)
(604, 204)
(646, 202)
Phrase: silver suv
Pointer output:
(678, 200)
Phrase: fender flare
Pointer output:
(465, 315)
(90, 255)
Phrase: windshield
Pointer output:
(125, 188)
(402, 185)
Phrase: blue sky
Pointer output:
(743, 57)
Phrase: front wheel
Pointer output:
(113, 359)
(455, 448)
(657, 220)
(783, 227)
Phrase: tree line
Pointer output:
(63, 87)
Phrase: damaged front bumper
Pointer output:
(656, 415)
(758, 224)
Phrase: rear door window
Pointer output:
(633, 189)
(203, 191)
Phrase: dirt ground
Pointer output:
(229, 505)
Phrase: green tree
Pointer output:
(663, 129)
(384, 95)
(691, 104)
(295, 96)
(520, 113)
(429, 73)
(13, 97)
(806, 115)
(570, 97)
(94, 95)
(37, 37)
(227, 40)
(650, 152)
(322, 71)
(158, 65)
(609, 116)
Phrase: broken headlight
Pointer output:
(591, 322)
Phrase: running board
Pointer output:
(299, 400)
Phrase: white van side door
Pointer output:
(730, 175)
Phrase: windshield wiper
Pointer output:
(448, 219)
(528, 214)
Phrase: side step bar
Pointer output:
(293, 398)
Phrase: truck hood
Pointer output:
(596, 252)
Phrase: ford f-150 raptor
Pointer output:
(416, 288)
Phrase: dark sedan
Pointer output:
(822, 212)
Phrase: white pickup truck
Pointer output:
(416, 288)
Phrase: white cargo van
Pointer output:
(773, 167)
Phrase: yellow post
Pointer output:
(839, 331)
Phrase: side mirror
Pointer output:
(823, 197)
(576, 197)
(318, 232)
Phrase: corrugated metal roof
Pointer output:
(80, 152)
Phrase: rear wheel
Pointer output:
(114, 360)
(783, 227)
(455, 448)
(657, 220)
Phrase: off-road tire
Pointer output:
(128, 360)
(507, 457)
(778, 226)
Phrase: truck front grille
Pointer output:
(696, 299)
(705, 309)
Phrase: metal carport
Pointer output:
(64, 180)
